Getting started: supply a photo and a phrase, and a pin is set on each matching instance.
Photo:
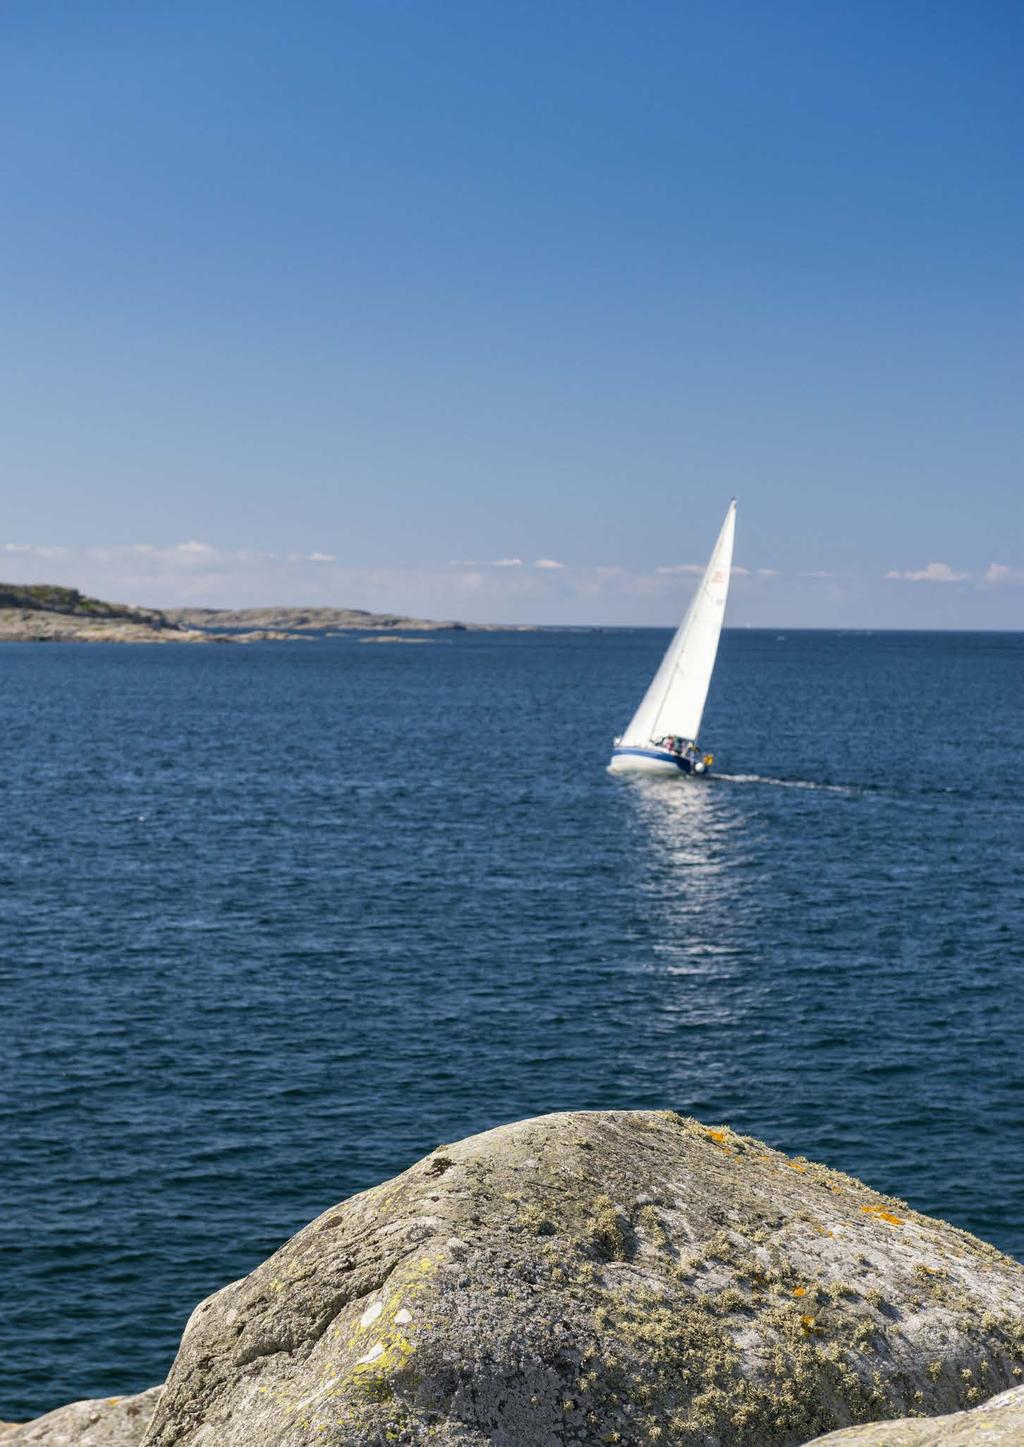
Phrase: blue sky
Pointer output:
(381, 304)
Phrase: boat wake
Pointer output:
(786, 783)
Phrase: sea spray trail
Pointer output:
(788, 783)
(278, 920)
(894, 789)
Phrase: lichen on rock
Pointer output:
(98, 1422)
(622, 1277)
(998, 1422)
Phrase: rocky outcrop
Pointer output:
(997, 1423)
(121, 1422)
(49, 598)
(260, 635)
(615, 1277)
(105, 1422)
(313, 619)
(320, 619)
(23, 625)
(44, 613)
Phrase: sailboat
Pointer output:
(662, 735)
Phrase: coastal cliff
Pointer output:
(629, 1277)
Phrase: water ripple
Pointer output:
(264, 945)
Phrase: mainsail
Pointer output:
(674, 703)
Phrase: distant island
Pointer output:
(45, 613)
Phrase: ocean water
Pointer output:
(276, 920)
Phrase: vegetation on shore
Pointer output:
(44, 612)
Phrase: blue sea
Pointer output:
(276, 920)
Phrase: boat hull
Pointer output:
(660, 763)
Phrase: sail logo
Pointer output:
(718, 576)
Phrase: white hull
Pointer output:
(654, 762)
(637, 764)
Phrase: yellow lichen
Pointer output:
(881, 1214)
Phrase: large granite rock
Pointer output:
(997, 1423)
(105, 1422)
(581, 1279)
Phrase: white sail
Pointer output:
(674, 703)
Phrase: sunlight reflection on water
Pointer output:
(685, 872)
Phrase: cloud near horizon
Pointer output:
(998, 573)
(930, 573)
(509, 589)
(995, 575)
(505, 563)
(697, 569)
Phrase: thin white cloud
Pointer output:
(930, 573)
(322, 558)
(35, 550)
(548, 563)
(492, 563)
(695, 569)
(998, 573)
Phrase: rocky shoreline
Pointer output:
(622, 1277)
(322, 619)
(43, 613)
